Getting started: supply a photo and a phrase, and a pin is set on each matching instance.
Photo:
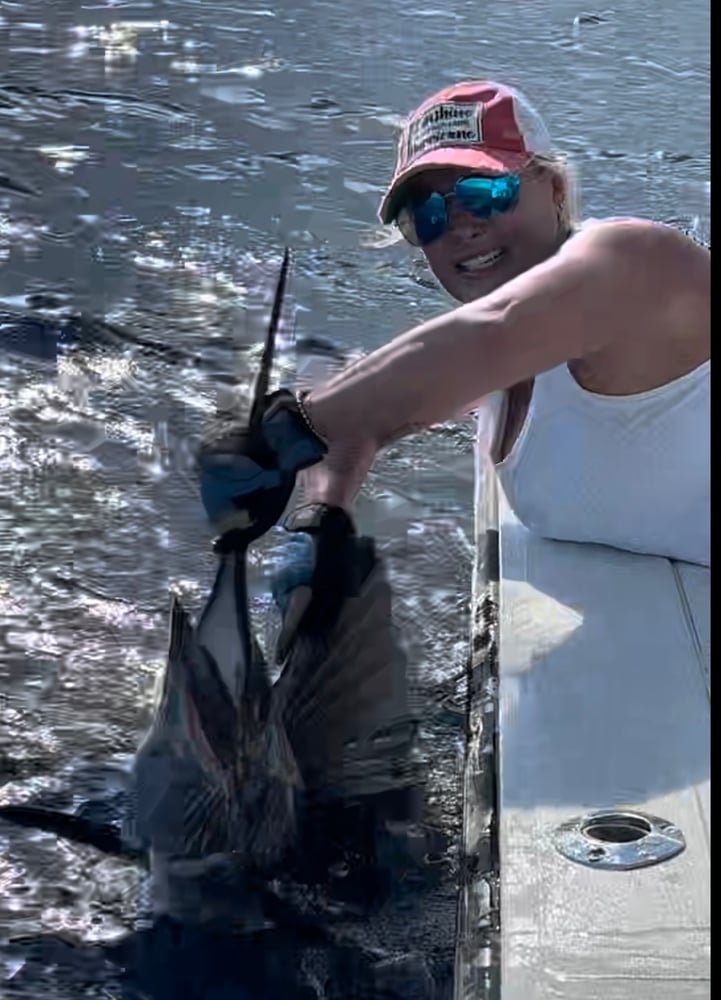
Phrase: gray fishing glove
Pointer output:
(325, 563)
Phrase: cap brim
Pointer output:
(498, 160)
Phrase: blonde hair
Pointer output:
(569, 214)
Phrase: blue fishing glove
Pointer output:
(247, 474)
(325, 563)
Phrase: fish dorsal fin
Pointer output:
(343, 693)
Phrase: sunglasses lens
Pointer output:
(422, 223)
(430, 218)
(406, 222)
(485, 196)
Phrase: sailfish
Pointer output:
(221, 784)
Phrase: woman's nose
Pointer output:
(463, 222)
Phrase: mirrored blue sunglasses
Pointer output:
(421, 222)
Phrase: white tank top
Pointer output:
(628, 471)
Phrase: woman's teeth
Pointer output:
(482, 261)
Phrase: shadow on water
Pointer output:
(361, 912)
(168, 961)
(313, 951)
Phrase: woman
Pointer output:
(599, 332)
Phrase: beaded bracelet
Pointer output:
(300, 400)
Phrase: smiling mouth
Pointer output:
(481, 262)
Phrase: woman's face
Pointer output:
(475, 256)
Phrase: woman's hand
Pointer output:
(247, 474)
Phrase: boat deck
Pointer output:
(601, 663)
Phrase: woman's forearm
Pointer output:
(426, 376)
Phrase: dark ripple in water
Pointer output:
(154, 158)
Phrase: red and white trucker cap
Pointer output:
(476, 124)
